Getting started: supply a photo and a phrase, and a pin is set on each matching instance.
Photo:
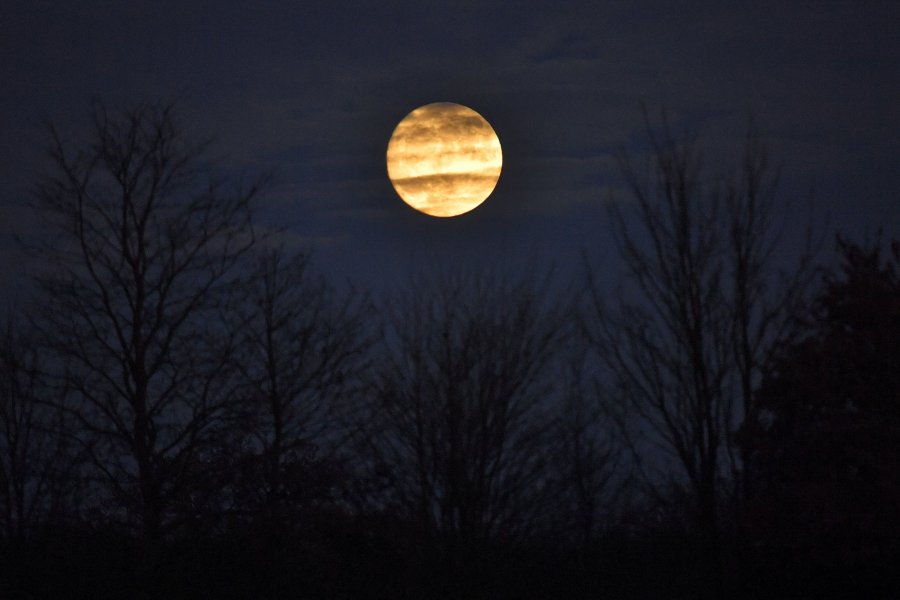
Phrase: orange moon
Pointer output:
(444, 159)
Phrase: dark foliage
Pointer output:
(826, 437)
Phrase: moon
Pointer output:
(444, 159)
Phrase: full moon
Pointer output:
(444, 159)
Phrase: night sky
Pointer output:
(312, 90)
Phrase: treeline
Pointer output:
(188, 409)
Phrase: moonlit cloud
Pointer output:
(444, 159)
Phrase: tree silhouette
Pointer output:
(461, 405)
(37, 461)
(824, 434)
(691, 332)
(587, 454)
(143, 252)
(301, 349)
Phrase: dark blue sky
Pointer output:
(312, 90)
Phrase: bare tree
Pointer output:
(587, 455)
(37, 462)
(691, 335)
(461, 407)
(301, 348)
(143, 251)
(763, 299)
